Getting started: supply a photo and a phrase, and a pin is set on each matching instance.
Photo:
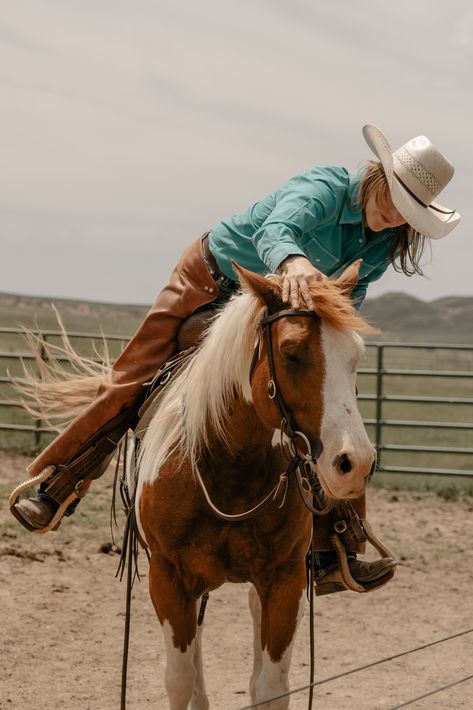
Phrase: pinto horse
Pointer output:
(218, 418)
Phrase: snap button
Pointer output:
(318, 261)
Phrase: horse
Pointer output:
(218, 442)
(213, 498)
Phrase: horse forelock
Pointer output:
(332, 303)
(197, 402)
(335, 307)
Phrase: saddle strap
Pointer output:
(67, 478)
(157, 388)
(343, 565)
(378, 544)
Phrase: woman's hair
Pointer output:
(408, 245)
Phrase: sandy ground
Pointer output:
(62, 617)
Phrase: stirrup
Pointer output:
(46, 473)
(345, 573)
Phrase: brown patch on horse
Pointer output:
(300, 368)
(193, 551)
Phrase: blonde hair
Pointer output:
(408, 244)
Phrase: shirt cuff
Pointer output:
(280, 252)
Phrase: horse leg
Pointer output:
(199, 698)
(281, 609)
(177, 613)
(255, 609)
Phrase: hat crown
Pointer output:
(422, 168)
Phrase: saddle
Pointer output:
(188, 338)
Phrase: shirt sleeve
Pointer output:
(301, 206)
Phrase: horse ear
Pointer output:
(267, 290)
(349, 278)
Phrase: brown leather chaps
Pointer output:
(189, 287)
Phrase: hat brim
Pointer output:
(425, 220)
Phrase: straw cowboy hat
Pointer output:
(416, 173)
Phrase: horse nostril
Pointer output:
(344, 464)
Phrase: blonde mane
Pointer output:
(197, 401)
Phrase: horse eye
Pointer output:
(290, 356)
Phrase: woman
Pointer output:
(311, 228)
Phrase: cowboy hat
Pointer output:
(416, 173)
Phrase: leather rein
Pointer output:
(301, 466)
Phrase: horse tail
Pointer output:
(61, 382)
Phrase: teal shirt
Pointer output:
(315, 215)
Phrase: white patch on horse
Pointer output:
(270, 677)
(280, 438)
(183, 678)
(342, 430)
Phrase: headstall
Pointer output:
(299, 465)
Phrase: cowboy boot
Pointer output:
(368, 575)
(36, 512)
(338, 536)
(63, 486)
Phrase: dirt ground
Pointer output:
(61, 612)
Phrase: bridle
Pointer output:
(301, 466)
(287, 423)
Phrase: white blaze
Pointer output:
(342, 429)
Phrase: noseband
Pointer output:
(287, 422)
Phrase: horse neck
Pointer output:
(249, 441)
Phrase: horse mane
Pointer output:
(334, 306)
(197, 402)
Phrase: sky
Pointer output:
(131, 127)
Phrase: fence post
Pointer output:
(379, 399)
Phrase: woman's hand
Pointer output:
(298, 274)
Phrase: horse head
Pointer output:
(313, 356)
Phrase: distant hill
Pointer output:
(404, 317)
(399, 316)
(89, 316)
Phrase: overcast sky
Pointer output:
(130, 127)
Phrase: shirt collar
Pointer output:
(351, 211)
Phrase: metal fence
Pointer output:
(440, 428)
(442, 420)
